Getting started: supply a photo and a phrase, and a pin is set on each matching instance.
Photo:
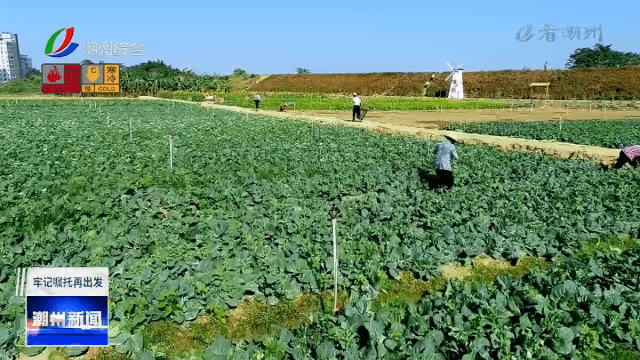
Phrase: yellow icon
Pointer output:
(88, 88)
(111, 74)
(93, 73)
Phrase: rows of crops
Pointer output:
(605, 133)
(244, 211)
(300, 101)
(272, 101)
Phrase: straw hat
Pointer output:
(354, 94)
(451, 138)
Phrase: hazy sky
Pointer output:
(275, 37)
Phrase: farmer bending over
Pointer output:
(356, 106)
(444, 152)
(628, 157)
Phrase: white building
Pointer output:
(9, 57)
(25, 65)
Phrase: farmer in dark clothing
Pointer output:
(628, 157)
(356, 106)
(445, 151)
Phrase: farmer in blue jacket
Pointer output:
(445, 151)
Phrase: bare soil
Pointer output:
(436, 120)
(592, 83)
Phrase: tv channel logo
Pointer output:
(67, 46)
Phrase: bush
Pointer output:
(239, 72)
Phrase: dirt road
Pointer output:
(435, 120)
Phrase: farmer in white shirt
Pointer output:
(445, 151)
(257, 100)
(356, 106)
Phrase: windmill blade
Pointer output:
(460, 66)
(449, 77)
(450, 67)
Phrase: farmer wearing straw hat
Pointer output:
(445, 151)
(356, 106)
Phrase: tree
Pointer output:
(302, 71)
(601, 56)
(86, 62)
(239, 72)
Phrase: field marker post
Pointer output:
(333, 214)
(170, 152)
(561, 123)
(130, 130)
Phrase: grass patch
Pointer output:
(407, 289)
(619, 244)
(251, 320)
(327, 299)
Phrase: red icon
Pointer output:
(53, 75)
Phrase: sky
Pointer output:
(262, 37)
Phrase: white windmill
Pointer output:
(455, 87)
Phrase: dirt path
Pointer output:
(555, 150)
(434, 120)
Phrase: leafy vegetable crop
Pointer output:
(245, 212)
(605, 133)
(272, 101)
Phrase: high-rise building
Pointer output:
(25, 65)
(9, 57)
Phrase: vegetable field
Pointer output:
(229, 245)
(299, 101)
(605, 133)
